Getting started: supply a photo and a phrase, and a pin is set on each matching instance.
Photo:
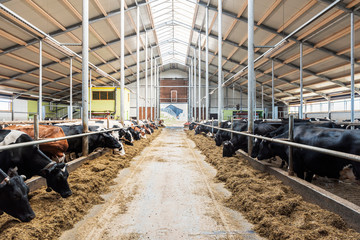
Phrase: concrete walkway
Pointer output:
(169, 192)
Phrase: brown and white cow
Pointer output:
(54, 150)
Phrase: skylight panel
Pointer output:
(172, 20)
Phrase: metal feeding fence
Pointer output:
(290, 143)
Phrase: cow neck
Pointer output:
(44, 163)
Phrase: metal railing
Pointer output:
(26, 144)
(348, 156)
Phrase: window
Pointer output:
(103, 95)
(5, 105)
(173, 95)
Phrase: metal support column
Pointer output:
(233, 95)
(220, 75)
(262, 99)
(207, 114)
(291, 139)
(90, 93)
(199, 93)
(146, 75)
(272, 91)
(301, 82)
(158, 93)
(155, 89)
(122, 56)
(329, 108)
(71, 92)
(40, 82)
(138, 63)
(191, 91)
(85, 74)
(241, 103)
(251, 74)
(151, 83)
(194, 82)
(189, 97)
(352, 46)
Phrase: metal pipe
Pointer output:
(85, 74)
(151, 83)
(71, 91)
(195, 105)
(37, 142)
(199, 65)
(352, 46)
(272, 91)
(122, 62)
(40, 82)
(220, 75)
(146, 74)
(138, 64)
(301, 82)
(207, 66)
(291, 139)
(251, 73)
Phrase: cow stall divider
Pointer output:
(349, 211)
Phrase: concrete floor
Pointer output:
(169, 192)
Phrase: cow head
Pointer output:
(218, 139)
(110, 141)
(265, 150)
(135, 134)
(56, 175)
(14, 196)
(126, 135)
(228, 149)
(198, 129)
(256, 148)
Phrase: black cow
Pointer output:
(14, 196)
(206, 129)
(307, 163)
(222, 135)
(240, 141)
(95, 140)
(30, 161)
(284, 128)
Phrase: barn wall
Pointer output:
(229, 102)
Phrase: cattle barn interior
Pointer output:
(153, 118)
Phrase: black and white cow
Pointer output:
(306, 162)
(30, 161)
(14, 196)
(241, 141)
(104, 140)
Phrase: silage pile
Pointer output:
(55, 214)
(274, 209)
